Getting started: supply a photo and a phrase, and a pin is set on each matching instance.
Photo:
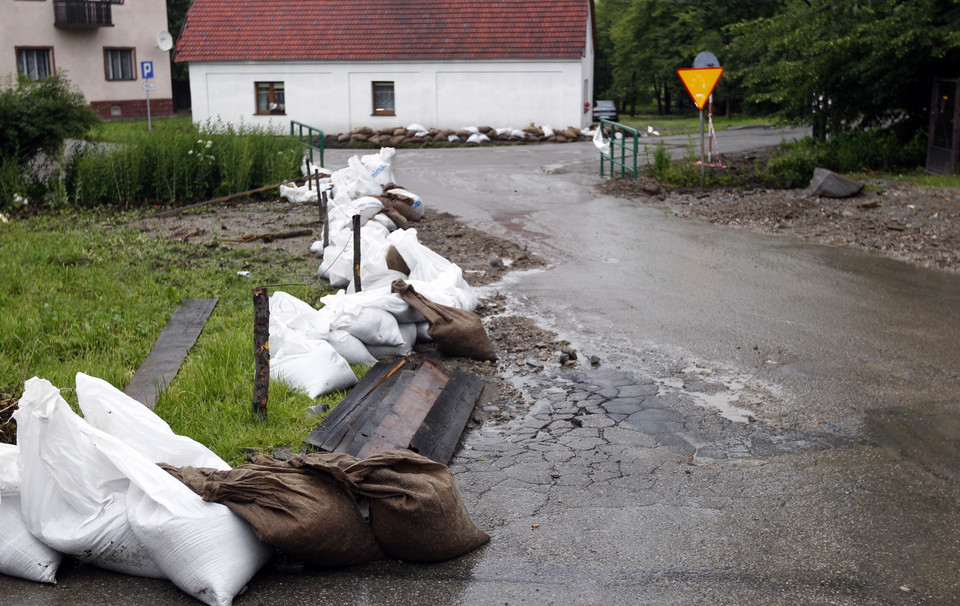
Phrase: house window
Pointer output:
(34, 63)
(270, 98)
(118, 63)
(383, 99)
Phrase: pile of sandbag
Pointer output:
(90, 488)
(306, 506)
(312, 349)
(416, 133)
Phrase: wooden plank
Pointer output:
(334, 427)
(440, 431)
(411, 408)
(377, 408)
(175, 340)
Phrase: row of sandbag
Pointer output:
(90, 487)
(312, 349)
(359, 327)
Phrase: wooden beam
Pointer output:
(163, 362)
(440, 432)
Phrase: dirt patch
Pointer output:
(902, 220)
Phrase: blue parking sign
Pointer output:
(146, 69)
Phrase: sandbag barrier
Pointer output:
(118, 489)
(358, 326)
(416, 134)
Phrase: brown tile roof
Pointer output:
(384, 30)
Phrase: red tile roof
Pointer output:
(383, 30)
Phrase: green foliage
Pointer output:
(37, 115)
(177, 165)
(661, 161)
(84, 292)
(843, 66)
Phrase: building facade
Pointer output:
(340, 64)
(101, 46)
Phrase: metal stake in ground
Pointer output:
(261, 352)
(306, 163)
(356, 252)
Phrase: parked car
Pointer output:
(606, 110)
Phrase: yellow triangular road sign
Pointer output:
(700, 82)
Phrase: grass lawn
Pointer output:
(684, 125)
(85, 292)
(124, 131)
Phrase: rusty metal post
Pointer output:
(356, 252)
(261, 352)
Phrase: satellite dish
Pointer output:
(706, 59)
(164, 41)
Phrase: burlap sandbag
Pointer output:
(395, 261)
(415, 507)
(457, 332)
(400, 206)
(306, 515)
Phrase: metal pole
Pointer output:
(148, 111)
(703, 166)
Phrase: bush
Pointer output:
(35, 116)
(174, 166)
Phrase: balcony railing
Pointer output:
(76, 13)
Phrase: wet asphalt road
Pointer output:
(643, 481)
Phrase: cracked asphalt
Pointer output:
(645, 481)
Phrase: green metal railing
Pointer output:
(623, 149)
(309, 136)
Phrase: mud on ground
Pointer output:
(901, 220)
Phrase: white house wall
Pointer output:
(338, 97)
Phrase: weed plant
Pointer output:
(176, 165)
(84, 292)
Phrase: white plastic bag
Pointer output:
(21, 554)
(114, 412)
(73, 498)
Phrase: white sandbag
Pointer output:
(73, 497)
(516, 132)
(504, 131)
(416, 127)
(295, 314)
(375, 278)
(312, 366)
(354, 181)
(299, 194)
(21, 554)
(204, 548)
(344, 308)
(374, 326)
(453, 138)
(416, 203)
(350, 348)
(448, 288)
(548, 132)
(424, 263)
(380, 165)
(114, 412)
(313, 169)
(477, 138)
(384, 220)
(422, 332)
(409, 332)
(337, 264)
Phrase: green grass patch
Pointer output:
(685, 125)
(127, 131)
(85, 292)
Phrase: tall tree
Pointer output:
(840, 65)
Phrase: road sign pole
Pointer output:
(703, 166)
(148, 111)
